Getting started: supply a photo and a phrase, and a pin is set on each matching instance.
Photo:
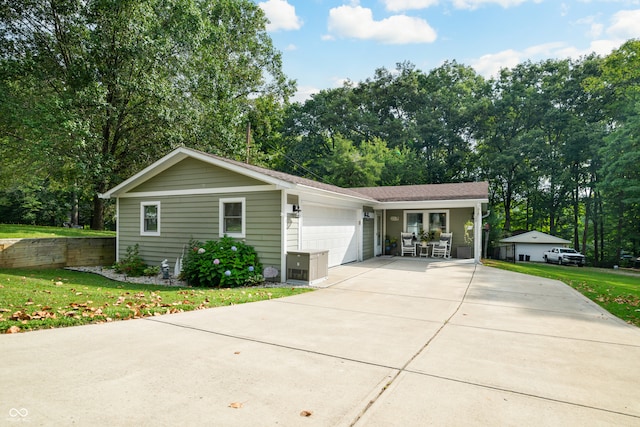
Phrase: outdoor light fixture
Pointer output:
(297, 210)
(366, 215)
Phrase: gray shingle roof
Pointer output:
(399, 193)
(452, 191)
(293, 179)
(458, 191)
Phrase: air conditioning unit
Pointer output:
(307, 267)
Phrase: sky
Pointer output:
(327, 42)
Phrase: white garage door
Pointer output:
(333, 229)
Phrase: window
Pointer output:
(414, 223)
(232, 217)
(150, 218)
(438, 221)
(433, 222)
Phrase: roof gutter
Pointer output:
(430, 204)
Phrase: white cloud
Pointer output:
(357, 22)
(544, 50)
(474, 4)
(281, 15)
(291, 47)
(399, 5)
(490, 65)
(304, 93)
(595, 28)
(625, 24)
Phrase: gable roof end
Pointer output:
(535, 237)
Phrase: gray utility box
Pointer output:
(307, 267)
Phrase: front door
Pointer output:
(378, 234)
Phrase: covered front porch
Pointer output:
(425, 223)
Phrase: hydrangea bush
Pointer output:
(224, 263)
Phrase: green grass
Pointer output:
(43, 299)
(19, 231)
(617, 291)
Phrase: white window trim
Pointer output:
(221, 204)
(143, 232)
(425, 214)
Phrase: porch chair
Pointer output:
(443, 248)
(406, 244)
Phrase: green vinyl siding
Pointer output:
(368, 240)
(456, 225)
(194, 174)
(183, 218)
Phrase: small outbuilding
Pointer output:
(529, 246)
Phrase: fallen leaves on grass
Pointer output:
(13, 330)
(630, 300)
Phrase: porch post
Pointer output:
(477, 233)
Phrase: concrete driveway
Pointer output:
(387, 342)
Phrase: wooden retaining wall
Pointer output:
(57, 252)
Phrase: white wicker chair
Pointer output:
(407, 245)
(443, 248)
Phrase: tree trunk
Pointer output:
(97, 220)
(576, 214)
(585, 231)
(507, 208)
(74, 208)
(601, 228)
(596, 234)
(619, 228)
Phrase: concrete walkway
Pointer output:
(387, 342)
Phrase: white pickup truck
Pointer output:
(564, 256)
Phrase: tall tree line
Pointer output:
(557, 140)
(93, 90)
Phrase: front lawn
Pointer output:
(19, 231)
(617, 291)
(43, 299)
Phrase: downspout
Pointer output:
(486, 232)
(283, 236)
(477, 233)
(117, 229)
(384, 230)
(360, 222)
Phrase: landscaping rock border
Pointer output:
(158, 280)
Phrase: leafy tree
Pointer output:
(449, 100)
(117, 83)
(619, 86)
(506, 146)
(351, 166)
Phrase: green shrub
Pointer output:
(132, 263)
(152, 270)
(223, 263)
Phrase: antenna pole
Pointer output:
(248, 140)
